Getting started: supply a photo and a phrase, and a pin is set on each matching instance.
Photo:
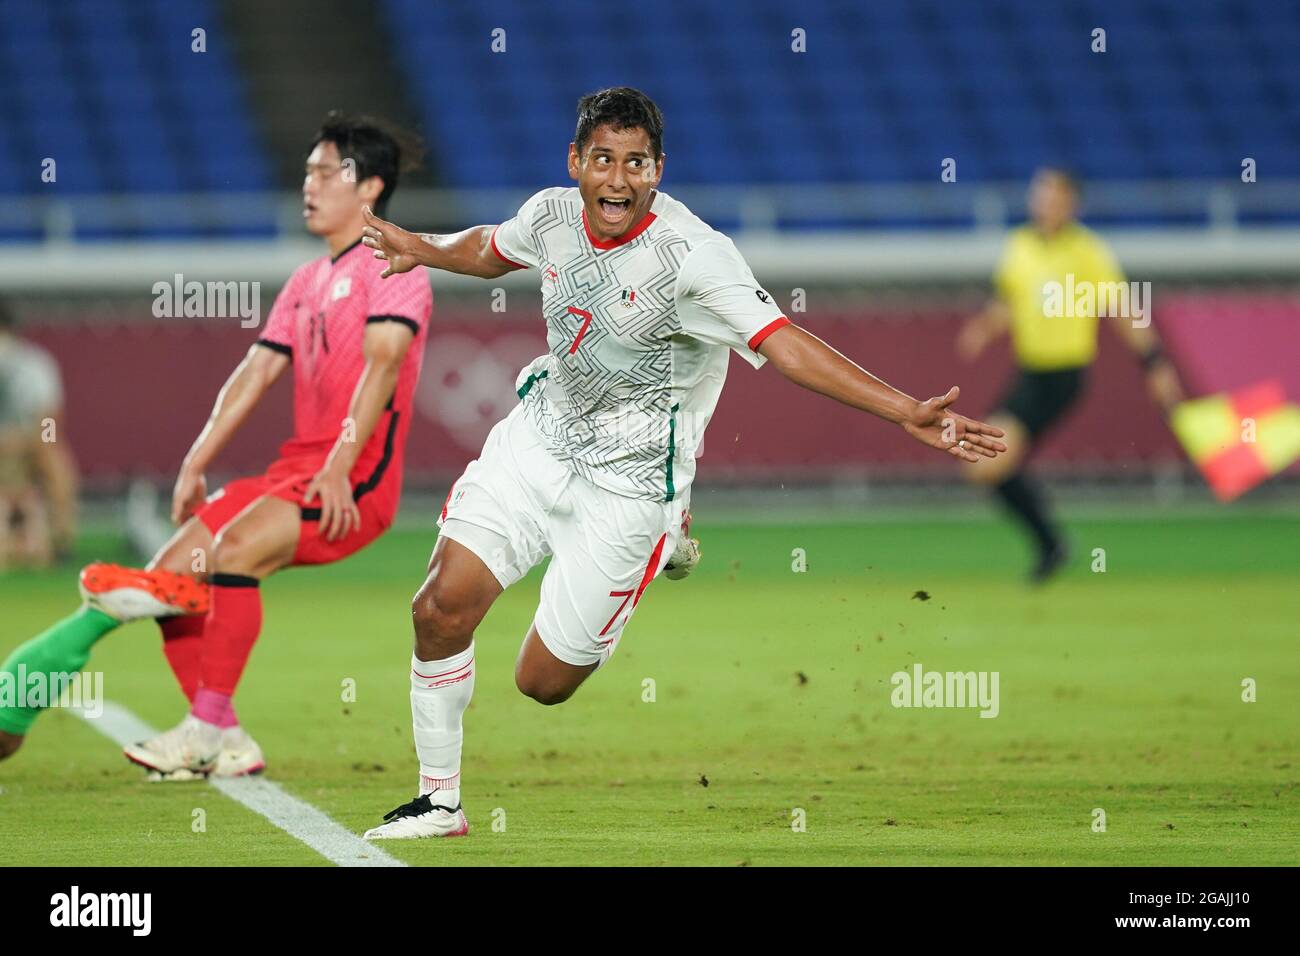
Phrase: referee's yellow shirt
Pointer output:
(1040, 278)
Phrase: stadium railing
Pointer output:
(804, 233)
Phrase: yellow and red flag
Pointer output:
(1239, 439)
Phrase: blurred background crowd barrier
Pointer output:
(150, 139)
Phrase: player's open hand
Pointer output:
(339, 514)
(393, 243)
(935, 423)
(188, 494)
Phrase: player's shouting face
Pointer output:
(617, 173)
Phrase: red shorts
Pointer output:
(288, 479)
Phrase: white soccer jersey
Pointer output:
(638, 329)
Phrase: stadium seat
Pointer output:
(892, 84)
(111, 91)
(1185, 89)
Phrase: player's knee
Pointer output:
(443, 623)
(543, 691)
(231, 553)
(189, 553)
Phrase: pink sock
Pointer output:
(214, 708)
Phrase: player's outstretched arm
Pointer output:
(467, 253)
(808, 361)
(236, 400)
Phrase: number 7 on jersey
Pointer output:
(586, 321)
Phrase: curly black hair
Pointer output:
(619, 107)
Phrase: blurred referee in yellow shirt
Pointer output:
(1052, 351)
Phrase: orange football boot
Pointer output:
(129, 594)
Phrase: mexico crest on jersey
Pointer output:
(629, 298)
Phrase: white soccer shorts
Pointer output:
(515, 504)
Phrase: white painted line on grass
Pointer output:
(295, 817)
(301, 820)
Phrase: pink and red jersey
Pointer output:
(319, 320)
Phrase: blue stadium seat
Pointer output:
(894, 83)
(110, 90)
(886, 89)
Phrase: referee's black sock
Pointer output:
(1025, 499)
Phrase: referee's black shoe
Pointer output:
(1050, 561)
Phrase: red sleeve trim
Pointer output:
(757, 339)
(502, 257)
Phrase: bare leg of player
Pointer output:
(186, 552)
(456, 594)
(545, 678)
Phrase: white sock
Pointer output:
(440, 692)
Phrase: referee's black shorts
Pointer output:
(1039, 399)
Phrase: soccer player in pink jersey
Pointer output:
(355, 344)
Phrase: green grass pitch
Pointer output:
(1119, 690)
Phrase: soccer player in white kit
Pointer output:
(643, 304)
